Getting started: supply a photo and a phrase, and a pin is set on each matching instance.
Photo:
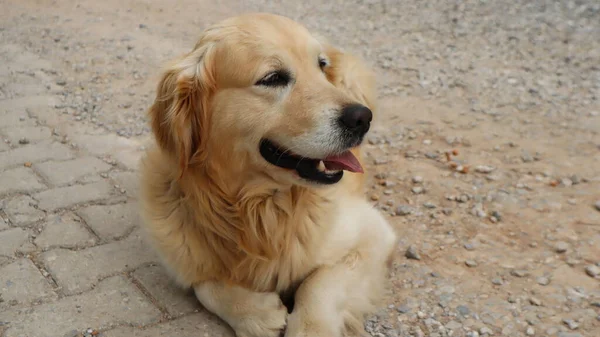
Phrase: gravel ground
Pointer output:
(486, 153)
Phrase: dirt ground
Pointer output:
(504, 233)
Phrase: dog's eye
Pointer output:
(323, 62)
(275, 79)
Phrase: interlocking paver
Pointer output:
(196, 325)
(3, 145)
(129, 181)
(28, 134)
(111, 221)
(64, 197)
(115, 301)
(67, 172)
(162, 287)
(77, 271)
(33, 153)
(15, 118)
(20, 179)
(11, 240)
(65, 231)
(21, 282)
(22, 210)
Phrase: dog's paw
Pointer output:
(301, 326)
(264, 316)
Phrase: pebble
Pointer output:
(463, 310)
(484, 169)
(403, 309)
(421, 314)
(571, 324)
(592, 270)
(535, 301)
(469, 246)
(23, 141)
(543, 280)
(530, 331)
(417, 179)
(561, 247)
(418, 190)
(597, 205)
(485, 331)
(471, 263)
(412, 253)
(404, 210)
(497, 281)
(429, 205)
(519, 272)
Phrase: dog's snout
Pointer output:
(356, 118)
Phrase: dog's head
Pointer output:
(259, 93)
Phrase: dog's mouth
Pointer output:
(330, 172)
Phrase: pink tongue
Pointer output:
(345, 161)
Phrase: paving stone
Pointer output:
(108, 144)
(29, 102)
(21, 282)
(33, 134)
(67, 172)
(11, 240)
(79, 271)
(129, 159)
(21, 210)
(196, 325)
(63, 197)
(15, 118)
(3, 145)
(112, 221)
(115, 301)
(129, 181)
(20, 179)
(64, 231)
(42, 151)
(163, 288)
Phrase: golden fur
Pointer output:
(238, 229)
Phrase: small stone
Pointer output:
(429, 205)
(484, 169)
(519, 272)
(543, 280)
(463, 310)
(374, 197)
(412, 253)
(497, 281)
(404, 210)
(471, 263)
(561, 247)
(469, 246)
(427, 142)
(403, 309)
(417, 190)
(421, 314)
(61, 82)
(535, 301)
(530, 331)
(23, 141)
(417, 179)
(592, 270)
(496, 215)
(526, 157)
(142, 26)
(485, 331)
(597, 205)
(571, 324)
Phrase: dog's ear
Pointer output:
(180, 113)
(351, 75)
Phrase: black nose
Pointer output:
(356, 118)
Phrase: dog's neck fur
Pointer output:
(241, 218)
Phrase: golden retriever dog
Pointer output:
(254, 193)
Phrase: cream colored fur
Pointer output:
(239, 230)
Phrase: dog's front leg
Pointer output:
(250, 314)
(333, 300)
